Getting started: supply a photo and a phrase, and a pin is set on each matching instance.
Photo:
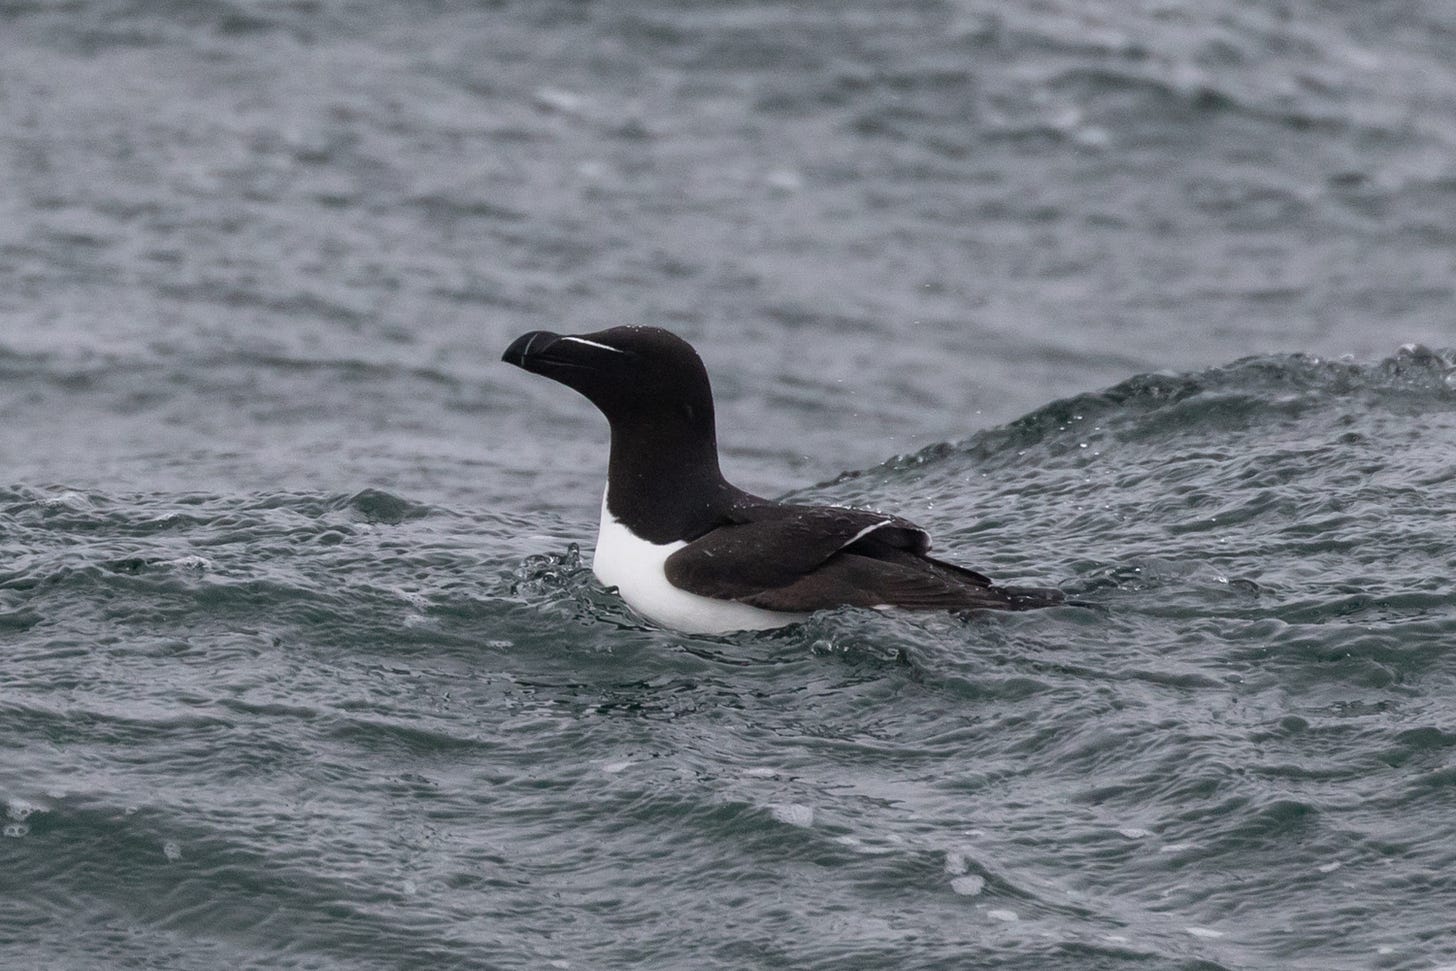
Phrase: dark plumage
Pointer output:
(665, 486)
(803, 558)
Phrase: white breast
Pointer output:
(635, 567)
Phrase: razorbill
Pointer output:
(689, 551)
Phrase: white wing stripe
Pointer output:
(864, 532)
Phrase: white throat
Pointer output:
(635, 567)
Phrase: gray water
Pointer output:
(300, 666)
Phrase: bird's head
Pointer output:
(642, 376)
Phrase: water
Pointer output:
(299, 665)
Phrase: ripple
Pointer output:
(301, 667)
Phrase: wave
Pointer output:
(280, 686)
(1243, 393)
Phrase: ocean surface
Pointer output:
(301, 660)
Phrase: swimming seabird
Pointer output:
(689, 551)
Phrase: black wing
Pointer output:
(805, 558)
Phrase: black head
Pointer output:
(663, 480)
(635, 375)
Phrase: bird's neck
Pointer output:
(663, 481)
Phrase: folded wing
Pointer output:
(805, 558)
